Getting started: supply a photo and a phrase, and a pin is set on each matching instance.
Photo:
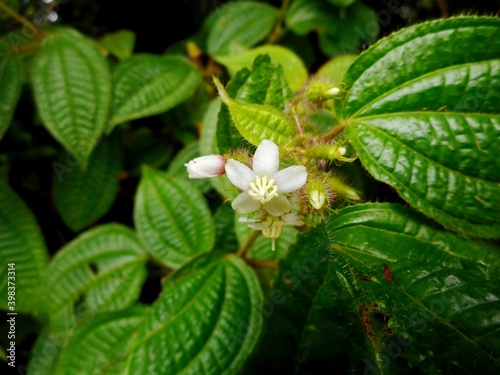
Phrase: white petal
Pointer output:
(206, 166)
(277, 206)
(266, 159)
(292, 219)
(239, 174)
(260, 226)
(244, 204)
(290, 179)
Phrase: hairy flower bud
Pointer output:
(317, 194)
(206, 166)
(319, 92)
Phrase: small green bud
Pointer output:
(317, 194)
(319, 92)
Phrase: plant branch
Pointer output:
(262, 264)
(245, 248)
(278, 31)
(16, 16)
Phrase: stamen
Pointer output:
(262, 189)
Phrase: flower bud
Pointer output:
(317, 194)
(318, 92)
(206, 166)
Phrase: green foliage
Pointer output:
(172, 218)
(84, 194)
(441, 161)
(216, 340)
(146, 85)
(173, 275)
(238, 25)
(72, 88)
(22, 252)
(101, 270)
(11, 76)
(379, 278)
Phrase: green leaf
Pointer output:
(103, 267)
(72, 88)
(333, 71)
(431, 129)
(348, 29)
(208, 136)
(11, 80)
(264, 84)
(293, 68)
(435, 170)
(342, 28)
(399, 293)
(172, 218)
(257, 122)
(240, 24)
(416, 55)
(21, 243)
(85, 193)
(304, 16)
(100, 344)
(120, 43)
(146, 85)
(205, 322)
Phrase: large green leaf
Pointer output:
(72, 88)
(22, 244)
(294, 70)
(172, 218)
(11, 79)
(427, 123)
(85, 193)
(382, 290)
(263, 84)
(239, 24)
(100, 344)
(146, 85)
(205, 322)
(256, 122)
(103, 269)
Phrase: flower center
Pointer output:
(263, 190)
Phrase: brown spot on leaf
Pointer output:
(387, 273)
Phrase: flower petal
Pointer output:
(239, 174)
(290, 179)
(277, 206)
(260, 226)
(292, 219)
(266, 159)
(245, 204)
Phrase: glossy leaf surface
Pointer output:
(428, 123)
(205, 322)
(104, 267)
(72, 88)
(22, 246)
(146, 85)
(240, 24)
(172, 218)
(380, 278)
(83, 194)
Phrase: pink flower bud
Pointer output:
(206, 166)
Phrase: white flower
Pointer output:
(264, 186)
(271, 226)
(206, 166)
